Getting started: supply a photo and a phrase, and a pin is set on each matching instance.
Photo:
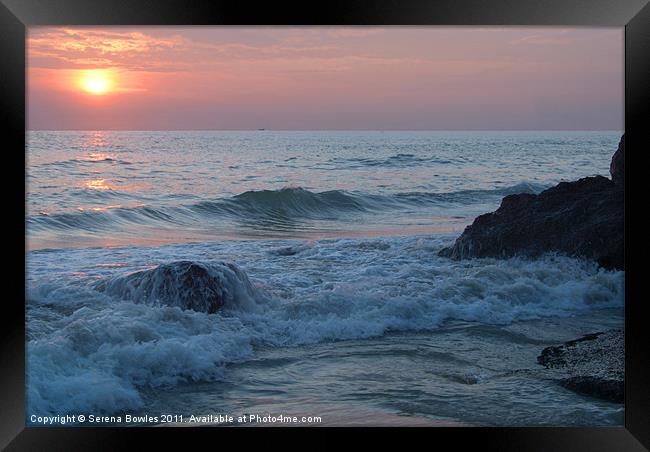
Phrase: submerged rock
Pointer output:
(592, 365)
(582, 218)
(186, 284)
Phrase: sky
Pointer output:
(325, 78)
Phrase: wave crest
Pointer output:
(274, 209)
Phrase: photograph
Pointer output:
(336, 226)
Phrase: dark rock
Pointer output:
(582, 218)
(610, 390)
(617, 167)
(592, 365)
(552, 357)
(188, 285)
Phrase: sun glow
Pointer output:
(96, 81)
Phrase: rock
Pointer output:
(617, 167)
(581, 218)
(186, 284)
(592, 365)
(605, 389)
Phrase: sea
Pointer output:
(353, 320)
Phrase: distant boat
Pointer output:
(261, 129)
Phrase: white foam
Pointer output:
(97, 358)
(89, 351)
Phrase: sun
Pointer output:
(96, 81)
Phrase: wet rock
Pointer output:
(189, 285)
(582, 218)
(617, 167)
(593, 365)
(605, 389)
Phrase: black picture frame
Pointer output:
(16, 15)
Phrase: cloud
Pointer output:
(139, 51)
(83, 48)
(66, 41)
(555, 37)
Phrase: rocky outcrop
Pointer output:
(617, 167)
(186, 284)
(582, 218)
(592, 365)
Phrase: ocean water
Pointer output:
(353, 317)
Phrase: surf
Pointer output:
(281, 206)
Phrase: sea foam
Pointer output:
(98, 350)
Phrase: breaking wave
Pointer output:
(283, 205)
(96, 341)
